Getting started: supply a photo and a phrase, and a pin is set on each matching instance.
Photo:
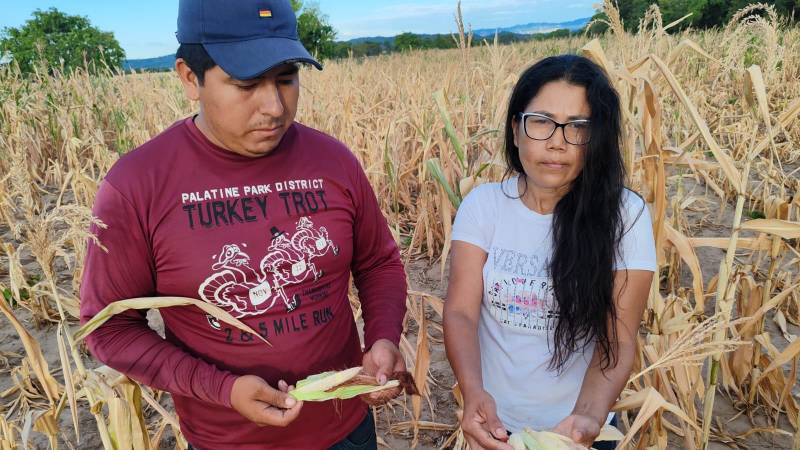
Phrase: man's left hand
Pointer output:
(381, 361)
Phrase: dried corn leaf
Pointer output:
(728, 166)
(774, 302)
(790, 352)
(780, 320)
(68, 379)
(686, 252)
(754, 81)
(649, 401)
(782, 228)
(157, 303)
(690, 43)
(131, 393)
(446, 215)
(609, 433)
(421, 366)
(119, 426)
(785, 119)
(724, 242)
(594, 51)
(467, 184)
(35, 356)
(441, 105)
(433, 301)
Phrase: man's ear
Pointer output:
(191, 85)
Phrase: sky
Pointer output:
(146, 28)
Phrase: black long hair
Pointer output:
(587, 222)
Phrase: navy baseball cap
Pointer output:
(244, 37)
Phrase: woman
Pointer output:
(551, 268)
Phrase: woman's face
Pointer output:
(551, 165)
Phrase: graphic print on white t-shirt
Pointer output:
(518, 291)
(522, 303)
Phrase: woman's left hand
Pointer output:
(581, 429)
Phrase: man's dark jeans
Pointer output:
(608, 445)
(362, 438)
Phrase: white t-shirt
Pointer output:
(518, 308)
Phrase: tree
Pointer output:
(705, 13)
(443, 41)
(368, 48)
(57, 40)
(672, 10)
(408, 41)
(316, 34)
(297, 5)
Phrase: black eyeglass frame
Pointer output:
(523, 116)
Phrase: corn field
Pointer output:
(712, 141)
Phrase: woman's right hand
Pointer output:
(482, 428)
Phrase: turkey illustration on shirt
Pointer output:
(244, 290)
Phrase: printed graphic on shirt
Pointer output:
(243, 289)
(519, 292)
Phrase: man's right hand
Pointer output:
(482, 428)
(262, 404)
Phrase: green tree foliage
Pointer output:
(704, 13)
(675, 9)
(359, 49)
(297, 5)
(409, 41)
(316, 33)
(54, 40)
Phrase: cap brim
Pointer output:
(248, 59)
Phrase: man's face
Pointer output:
(248, 117)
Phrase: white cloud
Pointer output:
(467, 7)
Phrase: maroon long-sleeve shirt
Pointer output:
(272, 240)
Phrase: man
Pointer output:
(242, 207)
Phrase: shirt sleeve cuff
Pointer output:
(226, 389)
(469, 239)
(393, 337)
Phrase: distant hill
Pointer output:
(528, 28)
(535, 27)
(166, 62)
(378, 39)
(160, 63)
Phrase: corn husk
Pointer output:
(528, 439)
(337, 385)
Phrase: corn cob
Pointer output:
(528, 439)
(348, 384)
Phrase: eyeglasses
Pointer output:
(541, 128)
